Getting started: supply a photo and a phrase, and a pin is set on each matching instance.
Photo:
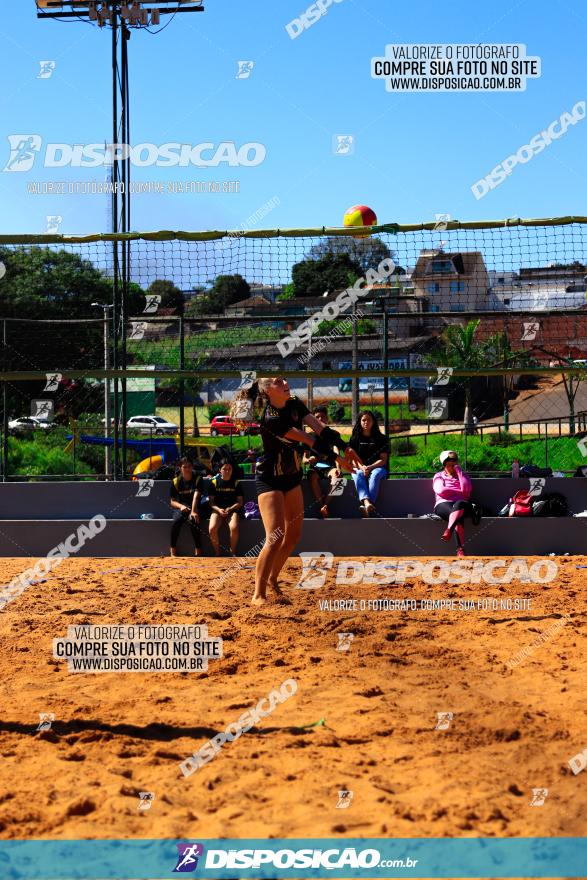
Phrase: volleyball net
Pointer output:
(470, 328)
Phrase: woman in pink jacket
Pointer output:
(452, 489)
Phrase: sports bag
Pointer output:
(551, 504)
(521, 503)
(251, 510)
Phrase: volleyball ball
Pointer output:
(359, 215)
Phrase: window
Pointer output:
(501, 280)
(442, 266)
(457, 307)
(506, 302)
(433, 288)
(434, 309)
(457, 286)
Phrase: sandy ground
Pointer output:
(116, 734)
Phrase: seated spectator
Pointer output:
(226, 500)
(319, 470)
(372, 447)
(452, 490)
(183, 497)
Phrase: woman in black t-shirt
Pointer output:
(373, 449)
(279, 469)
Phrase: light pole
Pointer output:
(107, 450)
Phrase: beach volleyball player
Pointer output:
(279, 469)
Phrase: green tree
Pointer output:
(327, 274)
(500, 353)
(459, 349)
(366, 252)
(226, 290)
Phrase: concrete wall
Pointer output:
(37, 516)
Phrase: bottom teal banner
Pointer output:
(223, 858)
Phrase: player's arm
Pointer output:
(240, 500)
(196, 500)
(174, 499)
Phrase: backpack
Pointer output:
(551, 504)
(520, 504)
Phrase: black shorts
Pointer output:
(277, 484)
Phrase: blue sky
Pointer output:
(416, 154)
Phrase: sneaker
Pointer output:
(460, 552)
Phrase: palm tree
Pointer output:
(501, 354)
(460, 350)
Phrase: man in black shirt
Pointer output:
(183, 497)
(226, 499)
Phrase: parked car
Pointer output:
(151, 425)
(225, 425)
(27, 424)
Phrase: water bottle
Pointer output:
(147, 516)
(515, 469)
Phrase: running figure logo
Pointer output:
(23, 151)
(444, 719)
(145, 487)
(53, 380)
(344, 799)
(47, 68)
(45, 721)
(343, 144)
(42, 409)
(153, 303)
(344, 641)
(146, 799)
(314, 569)
(188, 855)
(54, 221)
(539, 795)
(530, 331)
(245, 68)
(137, 329)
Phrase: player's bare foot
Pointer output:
(258, 600)
(324, 511)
